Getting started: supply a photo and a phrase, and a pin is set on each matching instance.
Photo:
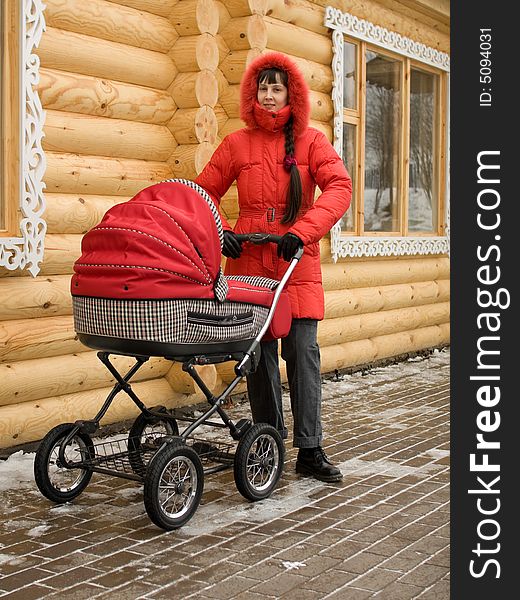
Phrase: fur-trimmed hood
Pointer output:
(298, 90)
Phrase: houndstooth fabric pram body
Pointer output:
(162, 284)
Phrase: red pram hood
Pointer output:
(163, 243)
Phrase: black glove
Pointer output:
(231, 248)
(288, 246)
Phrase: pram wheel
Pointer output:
(142, 439)
(173, 485)
(258, 462)
(56, 482)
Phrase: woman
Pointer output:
(277, 161)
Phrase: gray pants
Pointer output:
(301, 353)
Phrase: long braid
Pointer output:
(294, 193)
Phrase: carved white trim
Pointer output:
(391, 40)
(343, 245)
(26, 251)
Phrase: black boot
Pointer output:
(314, 462)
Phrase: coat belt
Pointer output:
(270, 217)
(270, 213)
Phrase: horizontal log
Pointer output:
(28, 380)
(223, 13)
(318, 76)
(230, 126)
(195, 52)
(397, 15)
(369, 273)
(322, 108)
(244, 33)
(72, 174)
(341, 303)
(368, 325)
(241, 8)
(234, 65)
(323, 127)
(182, 383)
(88, 95)
(191, 17)
(26, 339)
(295, 41)
(117, 138)
(228, 96)
(187, 161)
(113, 22)
(302, 13)
(229, 203)
(78, 53)
(220, 115)
(30, 421)
(61, 251)
(191, 90)
(31, 298)
(367, 351)
(437, 10)
(163, 8)
(193, 125)
(75, 213)
(226, 373)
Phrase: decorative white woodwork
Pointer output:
(26, 251)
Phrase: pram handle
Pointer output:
(264, 238)
(258, 238)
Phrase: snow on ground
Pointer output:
(17, 471)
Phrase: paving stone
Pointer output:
(280, 584)
(424, 575)
(14, 581)
(329, 580)
(376, 579)
(30, 592)
(230, 587)
(438, 591)
(400, 591)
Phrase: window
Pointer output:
(22, 162)
(390, 99)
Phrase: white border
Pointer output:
(346, 23)
(26, 251)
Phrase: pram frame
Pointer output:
(247, 361)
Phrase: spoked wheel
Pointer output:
(258, 462)
(173, 486)
(142, 439)
(56, 482)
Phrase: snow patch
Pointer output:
(288, 565)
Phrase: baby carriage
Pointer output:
(149, 283)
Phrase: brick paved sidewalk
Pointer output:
(381, 533)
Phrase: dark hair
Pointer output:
(294, 193)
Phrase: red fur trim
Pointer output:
(298, 90)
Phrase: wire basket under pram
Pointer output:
(149, 283)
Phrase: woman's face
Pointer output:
(272, 96)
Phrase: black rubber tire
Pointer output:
(137, 444)
(258, 463)
(173, 466)
(46, 459)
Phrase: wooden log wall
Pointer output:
(137, 91)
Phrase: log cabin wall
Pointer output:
(137, 91)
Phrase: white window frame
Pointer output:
(342, 24)
(26, 251)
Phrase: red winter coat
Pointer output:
(254, 158)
